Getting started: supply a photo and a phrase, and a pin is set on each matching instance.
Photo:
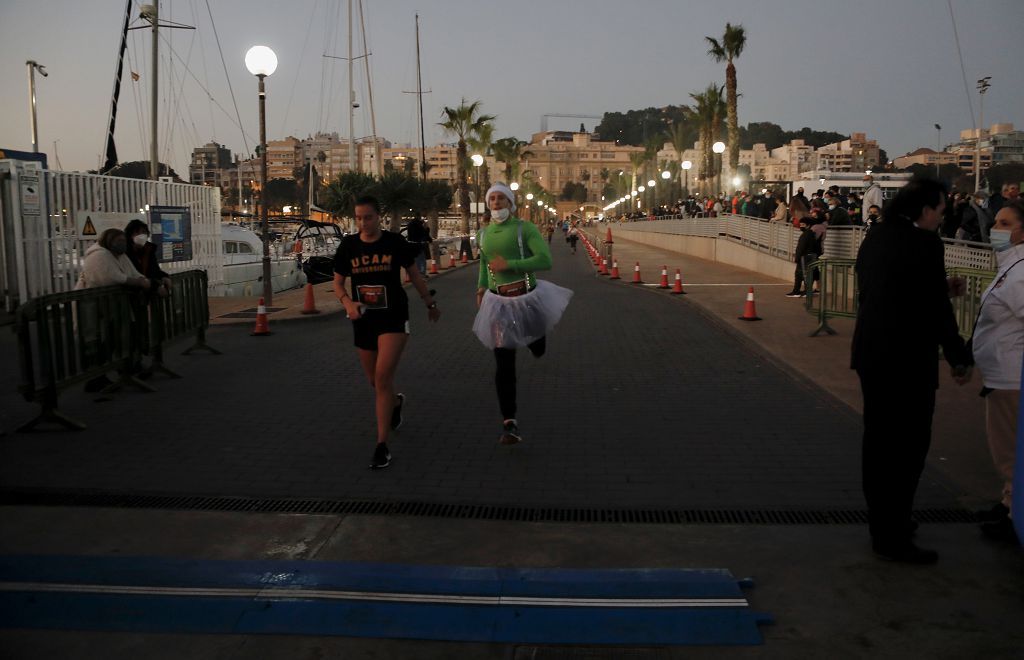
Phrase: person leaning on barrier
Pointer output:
(143, 256)
(107, 263)
(998, 345)
(904, 316)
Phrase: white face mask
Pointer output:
(140, 239)
(500, 215)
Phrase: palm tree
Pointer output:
(481, 143)
(730, 48)
(341, 193)
(397, 193)
(433, 196)
(464, 122)
(510, 151)
(679, 135)
(709, 108)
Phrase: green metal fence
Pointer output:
(69, 337)
(838, 297)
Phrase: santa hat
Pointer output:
(504, 190)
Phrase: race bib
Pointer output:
(373, 296)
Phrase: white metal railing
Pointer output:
(780, 239)
(46, 249)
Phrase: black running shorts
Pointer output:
(368, 328)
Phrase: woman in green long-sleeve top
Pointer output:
(515, 308)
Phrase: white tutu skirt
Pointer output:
(503, 322)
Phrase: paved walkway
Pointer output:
(644, 401)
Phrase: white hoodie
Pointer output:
(103, 268)
(999, 335)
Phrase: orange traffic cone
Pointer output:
(636, 274)
(603, 270)
(750, 310)
(451, 261)
(664, 278)
(677, 288)
(433, 267)
(464, 259)
(262, 325)
(615, 270)
(309, 305)
(608, 236)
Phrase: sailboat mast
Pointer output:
(351, 99)
(154, 172)
(419, 96)
(378, 163)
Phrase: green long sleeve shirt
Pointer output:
(503, 239)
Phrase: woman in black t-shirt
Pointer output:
(379, 309)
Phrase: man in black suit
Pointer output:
(904, 316)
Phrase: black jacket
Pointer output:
(808, 244)
(905, 314)
(145, 261)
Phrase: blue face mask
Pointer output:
(1000, 239)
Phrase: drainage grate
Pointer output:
(576, 653)
(464, 511)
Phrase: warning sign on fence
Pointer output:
(93, 223)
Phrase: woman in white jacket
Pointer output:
(998, 354)
(106, 263)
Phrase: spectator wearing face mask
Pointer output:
(143, 256)
(837, 215)
(874, 215)
(998, 344)
(977, 219)
(872, 195)
(106, 263)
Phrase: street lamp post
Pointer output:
(34, 66)
(261, 62)
(478, 160)
(529, 199)
(718, 148)
(938, 148)
(983, 86)
(686, 173)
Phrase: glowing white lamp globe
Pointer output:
(687, 164)
(478, 160)
(514, 186)
(261, 61)
(718, 147)
(666, 175)
(650, 184)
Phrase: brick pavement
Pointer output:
(642, 401)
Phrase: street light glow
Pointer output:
(718, 147)
(640, 189)
(650, 184)
(687, 164)
(529, 196)
(478, 160)
(736, 181)
(666, 175)
(261, 61)
(514, 186)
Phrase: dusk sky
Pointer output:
(885, 67)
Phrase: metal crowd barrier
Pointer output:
(838, 294)
(69, 337)
(838, 297)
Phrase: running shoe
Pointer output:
(381, 457)
(510, 433)
(396, 412)
(794, 294)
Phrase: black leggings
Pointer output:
(505, 375)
